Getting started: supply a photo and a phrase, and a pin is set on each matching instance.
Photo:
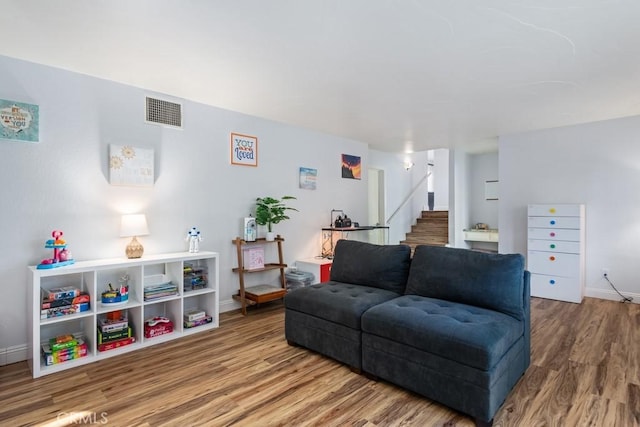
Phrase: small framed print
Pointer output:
(130, 166)
(351, 166)
(244, 150)
(19, 121)
(308, 178)
(491, 190)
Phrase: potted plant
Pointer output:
(271, 211)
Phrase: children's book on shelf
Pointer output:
(64, 310)
(160, 291)
(62, 348)
(193, 323)
(114, 331)
(63, 341)
(105, 337)
(62, 293)
(194, 314)
(113, 324)
(47, 303)
(116, 344)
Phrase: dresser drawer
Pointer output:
(553, 246)
(553, 234)
(554, 222)
(554, 210)
(552, 263)
(556, 287)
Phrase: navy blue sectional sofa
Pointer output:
(450, 324)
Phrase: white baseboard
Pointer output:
(229, 305)
(14, 354)
(610, 295)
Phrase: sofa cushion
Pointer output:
(337, 302)
(472, 336)
(366, 264)
(493, 281)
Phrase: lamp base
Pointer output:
(134, 249)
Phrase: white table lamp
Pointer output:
(133, 226)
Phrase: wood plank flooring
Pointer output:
(585, 371)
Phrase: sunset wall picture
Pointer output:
(351, 167)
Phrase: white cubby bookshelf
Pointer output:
(94, 276)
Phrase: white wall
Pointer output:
(483, 167)
(458, 201)
(441, 179)
(419, 184)
(597, 164)
(397, 185)
(62, 181)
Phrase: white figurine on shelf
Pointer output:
(194, 238)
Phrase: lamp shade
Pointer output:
(133, 225)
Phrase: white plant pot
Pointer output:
(271, 236)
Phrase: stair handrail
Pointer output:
(410, 195)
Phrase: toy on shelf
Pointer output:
(61, 256)
(117, 296)
(157, 326)
(194, 238)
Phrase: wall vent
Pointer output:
(163, 112)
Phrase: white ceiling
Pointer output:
(400, 75)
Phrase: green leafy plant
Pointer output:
(272, 211)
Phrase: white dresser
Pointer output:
(556, 251)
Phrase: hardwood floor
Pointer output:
(585, 371)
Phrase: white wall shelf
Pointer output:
(93, 277)
(490, 235)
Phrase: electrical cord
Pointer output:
(624, 298)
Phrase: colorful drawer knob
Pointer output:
(552, 222)
(552, 210)
(552, 234)
(552, 246)
(552, 282)
(552, 258)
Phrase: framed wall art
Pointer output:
(19, 121)
(244, 150)
(351, 166)
(491, 190)
(308, 177)
(130, 166)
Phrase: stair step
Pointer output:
(426, 236)
(435, 214)
(444, 221)
(432, 228)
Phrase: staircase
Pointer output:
(432, 228)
